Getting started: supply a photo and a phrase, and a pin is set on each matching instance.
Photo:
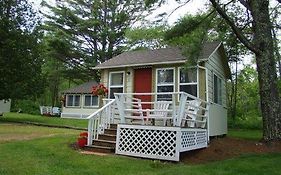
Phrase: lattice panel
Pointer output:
(188, 139)
(201, 137)
(193, 139)
(150, 143)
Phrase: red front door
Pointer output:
(143, 84)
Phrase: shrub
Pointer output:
(26, 106)
(251, 120)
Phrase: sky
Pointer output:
(193, 7)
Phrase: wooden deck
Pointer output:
(178, 127)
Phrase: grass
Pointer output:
(245, 134)
(16, 132)
(28, 150)
(16, 117)
(52, 155)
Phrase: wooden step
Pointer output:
(106, 143)
(111, 137)
(100, 149)
(111, 131)
(113, 126)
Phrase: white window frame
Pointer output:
(166, 84)
(73, 100)
(197, 79)
(219, 93)
(91, 106)
(116, 86)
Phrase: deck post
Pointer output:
(90, 132)
(174, 114)
(183, 99)
(120, 99)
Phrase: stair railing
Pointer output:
(100, 120)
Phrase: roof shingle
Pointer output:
(85, 88)
(151, 57)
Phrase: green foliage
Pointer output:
(20, 62)
(151, 37)
(248, 113)
(190, 33)
(245, 134)
(86, 33)
(252, 121)
(26, 106)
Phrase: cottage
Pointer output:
(162, 70)
(79, 102)
(156, 107)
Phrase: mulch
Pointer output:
(226, 148)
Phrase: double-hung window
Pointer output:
(116, 83)
(165, 82)
(72, 100)
(91, 101)
(217, 90)
(188, 81)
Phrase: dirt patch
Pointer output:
(226, 148)
(19, 137)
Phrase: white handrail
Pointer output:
(100, 110)
(98, 122)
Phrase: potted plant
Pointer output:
(100, 90)
(82, 139)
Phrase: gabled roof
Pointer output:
(168, 55)
(85, 88)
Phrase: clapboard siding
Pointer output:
(215, 66)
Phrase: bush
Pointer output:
(251, 120)
(26, 106)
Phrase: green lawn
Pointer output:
(42, 150)
(16, 117)
(245, 134)
(53, 155)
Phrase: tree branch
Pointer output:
(234, 28)
(245, 4)
(178, 8)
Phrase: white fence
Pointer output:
(164, 143)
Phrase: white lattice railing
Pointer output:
(100, 120)
(163, 143)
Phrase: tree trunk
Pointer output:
(263, 41)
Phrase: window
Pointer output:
(188, 81)
(116, 83)
(217, 90)
(165, 82)
(91, 101)
(73, 100)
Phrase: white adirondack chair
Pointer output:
(160, 112)
(190, 113)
